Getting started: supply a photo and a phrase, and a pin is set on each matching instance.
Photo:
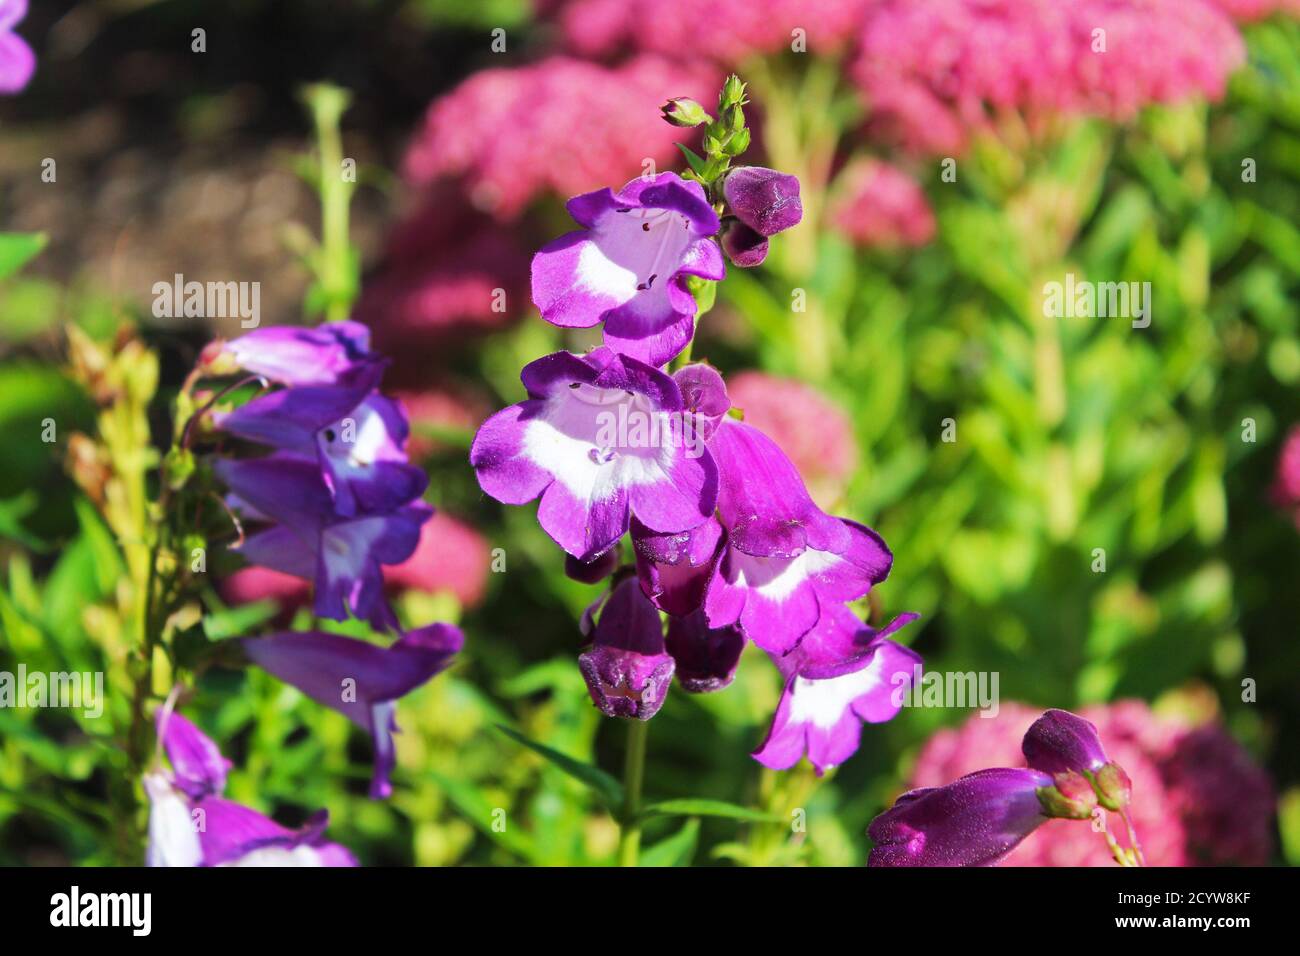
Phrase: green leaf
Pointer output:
(708, 808)
(676, 850)
(697, 162)
(606, 787)
(479, 810)
(17, 248)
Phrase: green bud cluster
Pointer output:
(725, 137)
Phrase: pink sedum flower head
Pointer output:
(599, 440)
(1286, 482)
(627, 266)
(17, 61)
(879, 206)
(841, 675)
(784, 558)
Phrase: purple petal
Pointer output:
(282, 549)
(593, 571)
(235, 835)
(1061, 742)
(17, 62)
(364, 456)
(705, 396)
(675, 569)
(348, 561)
(744, 247)
(973, 821)
(763, 199)
(282, 487)
(198, 768)
(627, 670)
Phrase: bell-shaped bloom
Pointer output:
(628, 671)
(342, 556)
(706, 657)
(191, 824)
(627, 265)
(17, 61)
(842, 675)
(601, 437)
(784, 558)
(360, 680)
(1069, 748)
(357, 435)
(296, 355)
(763, 199)
(973, 821)
(675, 568)
(744, 247)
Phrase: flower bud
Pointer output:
(627, 670)
(733, 92)
(1113, 787)
(684, 111)
(1070, 798)
(763, 199)
(738, 143)
(743, 246)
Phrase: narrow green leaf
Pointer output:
(605, 786)
(708, 808)
(697, 162)
(676, 850)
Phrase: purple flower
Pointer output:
(1067, 746)
(17, 62)
(593, 571)
(342, 556)
(191, 824)
(360, 680)
(706, 658)
(293, 355)
(744, 247)
(627, 266)
(763, 199)
(357, 435)
(841, 675)
(675, 568)
(784, 559)
(973, 821)
(627, 670)
(600, 438)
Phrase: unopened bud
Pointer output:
(684, 111)
(1113, 787)
(1070, 798)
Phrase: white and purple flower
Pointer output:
(294, 355)
(191, 824)
(565, 444)
(842, 674)
(627, 265)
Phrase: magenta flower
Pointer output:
(763, 199)
(628, 671)
(1286, 482)
(880, 206)
(675, 568)
(601, 438)
(744, 247)
(841, 675)
(628, 265)
(17, 61)
(784, 558)
(706, 657)
(360, 680)
(191, 824)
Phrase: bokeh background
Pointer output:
(955, 155)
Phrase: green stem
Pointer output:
(629, 839)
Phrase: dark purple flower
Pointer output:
(600, 438)
(973, 821)
(342, 556)
(17, 62)
(295, 355)
(1068, 747)
(360, 680)
(593, 571)
(628, 265)
(191, 824)
(706, 658)
(357, 435)
(675, 568)
(783, 558)
(841, 675)
(763, 199)
(627, 670)
(744, 247)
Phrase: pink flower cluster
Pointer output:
(511, 133)
(880, 206)
(1286, 482)
(934, 70)
(1198, 798)
(816, 434)
(722, 31)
